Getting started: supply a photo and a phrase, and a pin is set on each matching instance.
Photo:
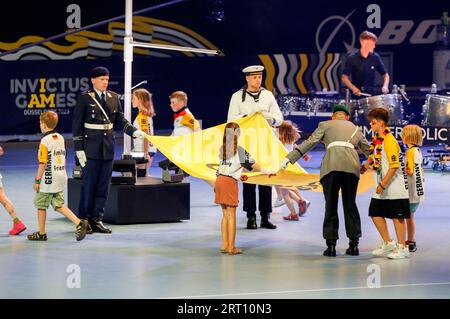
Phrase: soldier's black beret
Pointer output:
(99, 71)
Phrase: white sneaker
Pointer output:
(279, 202)
(385, 248)
(400, 253)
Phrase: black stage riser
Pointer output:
(149, 201)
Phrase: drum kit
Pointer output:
(305, 106)
(359, 109)
(391, 102)
(314, 105)
(436, 110)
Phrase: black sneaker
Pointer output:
(81, 229)
(411, 246)
(37, 236)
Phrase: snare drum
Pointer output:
(436, 110)
(287, 103)
(390, 102)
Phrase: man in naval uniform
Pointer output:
(339, 171)
(253, 98)
(97, 113)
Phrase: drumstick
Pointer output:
(364, 94)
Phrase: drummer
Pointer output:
(361, 65)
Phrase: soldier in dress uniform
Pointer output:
(339, 172)
(97, 113)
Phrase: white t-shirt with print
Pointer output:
(52, 152)
(416, 180)
(392, 157)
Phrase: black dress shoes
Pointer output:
(98, 227)
(331, 249)
(267, 224)
(251, 223)
(353, 249)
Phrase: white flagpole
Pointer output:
(128, 59)
(174, 48)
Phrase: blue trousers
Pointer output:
(265, 200)
(95, 188)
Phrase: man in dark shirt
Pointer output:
(361, 66)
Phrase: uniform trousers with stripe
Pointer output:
(95, 188)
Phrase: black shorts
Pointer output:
(389, 208)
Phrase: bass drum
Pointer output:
(391, 102)
(436, 110)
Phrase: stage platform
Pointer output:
(150, 200)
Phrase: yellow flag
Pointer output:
(198, 155)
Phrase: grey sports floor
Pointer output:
(174, 260)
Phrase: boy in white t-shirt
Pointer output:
(51, 178)
(183, 120)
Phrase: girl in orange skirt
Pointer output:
(233, 159)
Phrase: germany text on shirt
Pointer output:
(52, 153)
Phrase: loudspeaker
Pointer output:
(168, 177)
(127, 168)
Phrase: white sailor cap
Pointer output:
(253, 70)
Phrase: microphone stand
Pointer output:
(139, 84)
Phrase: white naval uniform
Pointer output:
(265, 104)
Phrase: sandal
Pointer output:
(37, 236)
(235, 251)
(224, 251)
(293, 217)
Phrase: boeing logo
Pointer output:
(394, 32)
(341, 21)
